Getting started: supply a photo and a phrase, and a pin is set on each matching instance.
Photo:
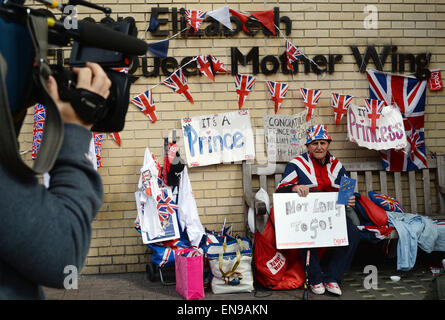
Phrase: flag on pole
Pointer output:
(222, 15)
(195, 18)
(204, 66)
(243, 84)
(374, 108)
(178, 83)
(267, 19)
(145, 103)
(408, 94)
(218, 66)
(278, 92)
(340, 104)
(37, 131)
(310, 100)
(293, 54)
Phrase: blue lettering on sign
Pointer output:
(215, 143)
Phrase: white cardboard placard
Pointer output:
(309, 222)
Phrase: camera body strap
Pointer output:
(52, 137)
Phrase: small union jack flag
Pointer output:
(204, 66)
(165, 205)
(39, 124)
(374, 107)
(145, 103)
(293, 54)
(310, 100)
(278, 92)
(243, 84)
(98, 139)
(218, 66)
(340, 103)
(195, 18)
(178, 83)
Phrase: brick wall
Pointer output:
(318, 27)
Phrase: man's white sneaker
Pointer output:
(334, 288)
(318, 288)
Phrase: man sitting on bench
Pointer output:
(319, 171)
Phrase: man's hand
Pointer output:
(351, 202)
(93, 78)
(302, 190)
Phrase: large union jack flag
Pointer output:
(293, 54)
(374, 107)
(408, 94)
(178, 83)
(205, 67)
(37, 131)
(340, 104)
(310, 100)
(195, 18)
(145, 103)
(243, 84)
(278, 92)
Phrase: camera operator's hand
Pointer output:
(93, 78)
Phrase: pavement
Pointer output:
(357, 284)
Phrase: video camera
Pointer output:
(111, 44)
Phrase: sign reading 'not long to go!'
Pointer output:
(309, 222)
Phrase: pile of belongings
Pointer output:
(167, 215)
(381, 214)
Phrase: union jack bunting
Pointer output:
(178, 83)
(123, 70)
(293, 54)
(145, 103)
(278, 92)
(98, 139)
(310, 100)
(243, 84)
(205, 67)
(37, 131)
(116, 137)
(374, 108)
(195, 18)
(218, 66)
(408, 94)
(340, 104)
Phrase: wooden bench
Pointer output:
(420, 192)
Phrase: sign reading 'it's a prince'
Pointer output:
(218, 138)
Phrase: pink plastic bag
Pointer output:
(189, 276)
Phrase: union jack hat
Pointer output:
(317, 132)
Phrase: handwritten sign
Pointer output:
(309, 222)
(218, 138)
(389, 132)
(285, 135)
